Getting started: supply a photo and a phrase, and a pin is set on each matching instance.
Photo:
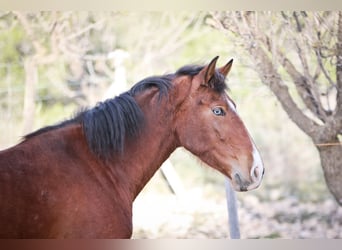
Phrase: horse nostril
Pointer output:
(263, 172)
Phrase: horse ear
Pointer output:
(226, 68)
(209, 71)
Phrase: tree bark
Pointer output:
(331, 160)
(331, 152)
(339, 68)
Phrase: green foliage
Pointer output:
(10, 58)
(10, 40)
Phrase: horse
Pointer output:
(79, 177)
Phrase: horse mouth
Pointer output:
(242, 186)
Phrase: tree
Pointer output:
(298, 55)
(47, 37)
(52, 47)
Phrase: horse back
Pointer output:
(48, 189)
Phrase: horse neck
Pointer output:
(143, 156)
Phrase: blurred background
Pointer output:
(54, 63)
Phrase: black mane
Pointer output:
(107, 125)
(162, 83)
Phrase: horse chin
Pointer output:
(237, 187)
(241, 186)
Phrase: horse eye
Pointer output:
(218, 111)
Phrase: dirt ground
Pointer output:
(196, 215)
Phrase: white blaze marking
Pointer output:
(231, 105)
(257, 166)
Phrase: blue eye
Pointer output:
(218, 111)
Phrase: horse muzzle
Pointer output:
(241, 183)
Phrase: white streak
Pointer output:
(231, 105)
(257, 166)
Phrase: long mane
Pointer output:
(107, 125)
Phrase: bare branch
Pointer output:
(26, 24)
(276, 84)
(178, 39)
(84, 30)
(307, 88)
(320, 63)
(304, 83)
(299, 26)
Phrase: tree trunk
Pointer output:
(331, 160)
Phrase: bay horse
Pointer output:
(79, 178)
